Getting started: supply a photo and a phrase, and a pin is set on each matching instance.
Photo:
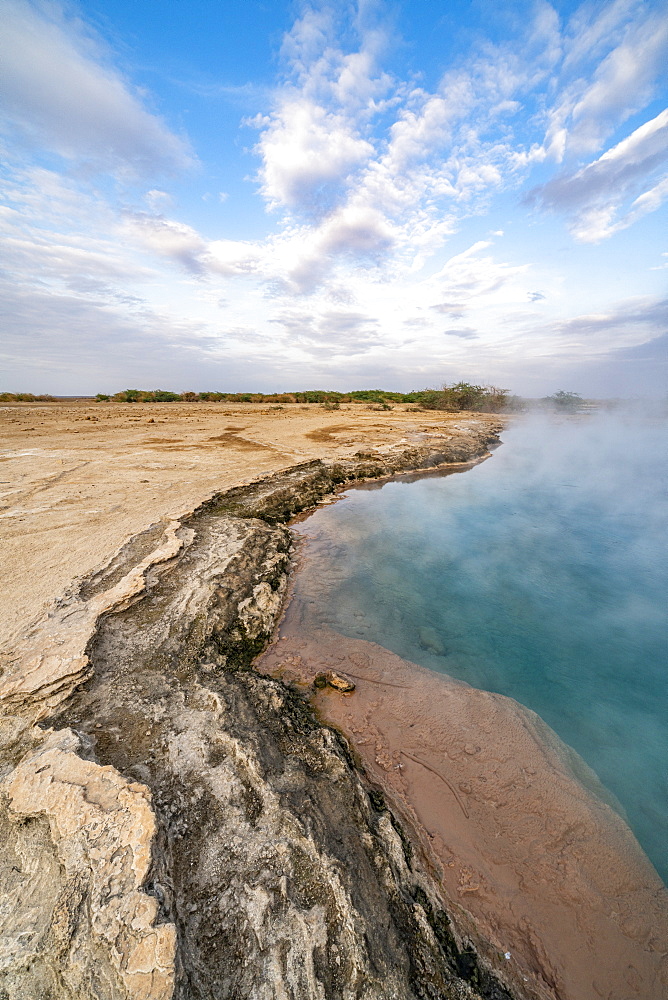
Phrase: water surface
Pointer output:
(541, 574)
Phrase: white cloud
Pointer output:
(593, 196)
(166, 238)
(313, 143)
(57, 93)
(622, 83)
(623, 325)
(358, 234)
(185, 247)
(613, 58)
(462, 332)
(369, 176)
(592, 30)
(158, 200)
(346, 137)
(329, 332)
(470, 277)
(308, 156)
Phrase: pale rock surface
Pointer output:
(75, 850)
(46, 665)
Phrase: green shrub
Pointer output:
(569, 402)
(462, 396)
(163, 396)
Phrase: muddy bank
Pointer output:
(177, 825)
(533, 863)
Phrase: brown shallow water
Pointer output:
(548, 874)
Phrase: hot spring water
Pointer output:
(541, 574)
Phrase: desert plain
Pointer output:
(80, 478)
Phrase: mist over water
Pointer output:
(541, 574)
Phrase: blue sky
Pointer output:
(271, 196)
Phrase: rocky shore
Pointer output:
(175, 824)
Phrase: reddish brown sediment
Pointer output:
(533, 864)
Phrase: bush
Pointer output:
(377, 396)
(317, 396)
(162, 396)
(462, 396)
(25, 397)
(569, 402)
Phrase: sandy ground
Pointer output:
(80, 478)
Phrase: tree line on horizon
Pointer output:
(456, 397)
(459, 396)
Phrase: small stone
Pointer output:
(335, 680)
(339, 681)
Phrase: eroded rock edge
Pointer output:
(247, 788)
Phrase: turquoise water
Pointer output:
(541, 574)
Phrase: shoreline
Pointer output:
(527, 798)
(80, 481)
(142, 673)
(532, 863)
(146, 666)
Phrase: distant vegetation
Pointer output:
(558, 402)
(452, 398)
(308, 396)
(24, 397)
(568, 402)
(463, 396)
(460, 396)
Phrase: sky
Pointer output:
(265, 196)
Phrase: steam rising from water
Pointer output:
(541, 574)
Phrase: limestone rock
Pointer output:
(52, 659)
(75, 849)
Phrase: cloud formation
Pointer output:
(348, 141)
(593, 196)
(57, 93)
(379, 202)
